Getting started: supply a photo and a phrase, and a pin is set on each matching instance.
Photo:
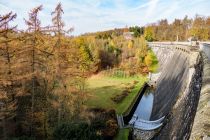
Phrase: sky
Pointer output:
(99, 15)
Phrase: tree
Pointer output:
(59, 24)
(177, 28)
(7, 76)
(130, 44)
(34, 58)
(186, 23)
(34, 32)
(69, 69)
(138, 31)
(162, 30)
(208, 26)
(199, 29)
(149, 33)
(148, 60)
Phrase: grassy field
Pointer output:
(102, 88)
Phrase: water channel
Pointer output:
(144, 108)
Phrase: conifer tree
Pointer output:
(69, 75)
(7, 77)
(36, 65)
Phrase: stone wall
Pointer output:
(201, 126)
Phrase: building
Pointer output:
(128, 35)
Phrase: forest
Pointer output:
(163, 30)
(45, 74)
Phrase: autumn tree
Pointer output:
(186, 23)
(7, 76)
(143, 48)
(208, 26)
(69, 71)
(34, 57)
(177, 27)
(199, 28)
(149, 33)
(162, 30)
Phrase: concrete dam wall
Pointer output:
(178, 89)
(172, 81)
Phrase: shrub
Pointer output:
(119, 97)
(75, 131)
(104, 122)
(111, 129)
(135, 82)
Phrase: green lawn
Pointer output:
(154, 68)
(122, 134)
(102, 88)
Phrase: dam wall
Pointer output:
(165, 50)
(174, 69)
(178, 89)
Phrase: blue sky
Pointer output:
(99, 15)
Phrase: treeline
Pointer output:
(109, 34)
(179, 29)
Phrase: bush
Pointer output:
(119, 97)
(135, 82)
(75, 131)
(104, 122)
(112, 127)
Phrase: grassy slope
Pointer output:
(154, 67)
(122, 134)
(102, 88)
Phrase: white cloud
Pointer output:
(151, 7)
